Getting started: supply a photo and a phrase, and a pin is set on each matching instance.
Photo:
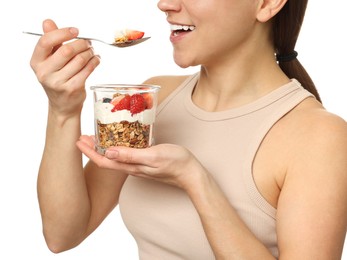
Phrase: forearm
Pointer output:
(62, 191)
(228, 235)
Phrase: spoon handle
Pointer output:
(32, 33)
(78, 37)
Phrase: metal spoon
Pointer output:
(116, 44)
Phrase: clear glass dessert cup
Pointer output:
(124, 115)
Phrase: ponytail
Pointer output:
(286, 29)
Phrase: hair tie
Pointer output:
(286, 57)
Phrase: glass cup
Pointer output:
(124, 115)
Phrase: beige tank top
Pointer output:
(162, 218)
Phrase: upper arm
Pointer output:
(104, 187)
(312, 207)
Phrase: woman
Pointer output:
(248, 164)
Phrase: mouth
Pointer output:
(176, 29)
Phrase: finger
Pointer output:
(69, 60)
(74, 76)
(86, 146)
(50, 40)
(49, 25)
(87, 70)
(73, 62)
(146, 156)
(88, 140)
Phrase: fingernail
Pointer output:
(111, 154)
(74, 30)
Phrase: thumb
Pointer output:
(48, 25)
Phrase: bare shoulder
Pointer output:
(309, 131)
(167, 83)
(317, 135)
(315, 126)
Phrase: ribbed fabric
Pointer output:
(162, 218)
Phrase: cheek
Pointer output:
(231, 16)
(231, 26)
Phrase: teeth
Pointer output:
(175, 27)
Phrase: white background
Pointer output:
(23, 106)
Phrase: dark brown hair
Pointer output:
(286, 29)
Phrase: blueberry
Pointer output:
(106, 100)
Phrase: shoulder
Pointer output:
(317, 140)
(168, 84)
(314, 126)
(310, 142)
(314, 131)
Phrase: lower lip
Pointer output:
(174, 38)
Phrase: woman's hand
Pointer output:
(166, 163)
(62, 68)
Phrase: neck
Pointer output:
(236, 81)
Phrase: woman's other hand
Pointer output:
(167, 163)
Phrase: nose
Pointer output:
(169, 5)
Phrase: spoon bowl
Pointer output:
(115, 44)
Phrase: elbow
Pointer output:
(55, 248)
(59, 245)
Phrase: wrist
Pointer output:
(60, 116)
(197, 181)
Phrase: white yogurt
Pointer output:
(106, 116)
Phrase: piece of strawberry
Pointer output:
(149, 100)
(124, 103)
(137, 104)
(115, 100)
(133, 35)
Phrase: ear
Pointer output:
(269, 8)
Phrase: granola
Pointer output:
(124, 133)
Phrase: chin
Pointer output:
(183, 66)
(184, 62)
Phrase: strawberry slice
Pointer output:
(115, 100)
(149, 100)
(137, 104)
(133, 35)
(124, 103)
